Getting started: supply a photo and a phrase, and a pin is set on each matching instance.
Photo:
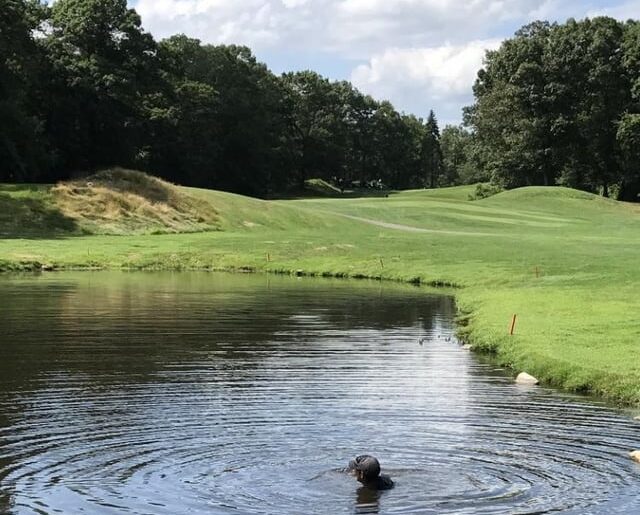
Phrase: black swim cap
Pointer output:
(368, 465)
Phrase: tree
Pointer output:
(252, 119)
(631, 59)
(397, 142)
(103, 65)
(511, 115)
(362, 155)
(225, 118)
(458, 159)
(628, 133)
(23, 149)
(628, 138)
(430, 152)
(549, 103)
(83, 86)
(605, 96)
(315, 121)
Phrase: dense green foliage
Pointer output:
(560, 104)
(83, 87)
(460, 154)
(21, 136)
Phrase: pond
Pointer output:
(176, 393)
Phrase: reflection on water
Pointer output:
(202, 393)
(367, 500)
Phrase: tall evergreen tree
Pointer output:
(431, 153)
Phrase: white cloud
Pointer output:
(624, 11)
(294, 3)
(355, 28)
(399, 42)
(363, 27)
(418, 79)
(251, 22)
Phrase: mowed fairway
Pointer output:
(564, 261)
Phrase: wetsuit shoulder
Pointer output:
(384, 482)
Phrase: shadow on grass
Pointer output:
(30, 218)
(22, 187)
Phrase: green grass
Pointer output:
(565, 262)
(27, 211)
(115, 201)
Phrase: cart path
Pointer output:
(411, 228)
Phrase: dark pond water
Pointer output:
(202, 393)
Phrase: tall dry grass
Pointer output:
(119, 201)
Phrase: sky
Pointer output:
(419, 54)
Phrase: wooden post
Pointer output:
(268, 257)
(513, 325)
(381, 263)
(537, 272)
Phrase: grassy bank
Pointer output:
(564, 261)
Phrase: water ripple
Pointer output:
(229, 402)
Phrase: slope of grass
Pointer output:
(321, 187)
(28, 211)
(113, 201)
(564, 261)
(121, 201)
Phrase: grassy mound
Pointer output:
(122, 201)
(26, 211)
(545, 193)
(320, 187)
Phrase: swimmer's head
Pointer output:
(366, 468)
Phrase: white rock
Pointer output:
(636, 418)
(524, 378)
(635, 456)
(466, 346)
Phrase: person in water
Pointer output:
(367, 470)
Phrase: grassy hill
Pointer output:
(113, 201)
(564, 261)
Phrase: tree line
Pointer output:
(83, 87)
(558, 104)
